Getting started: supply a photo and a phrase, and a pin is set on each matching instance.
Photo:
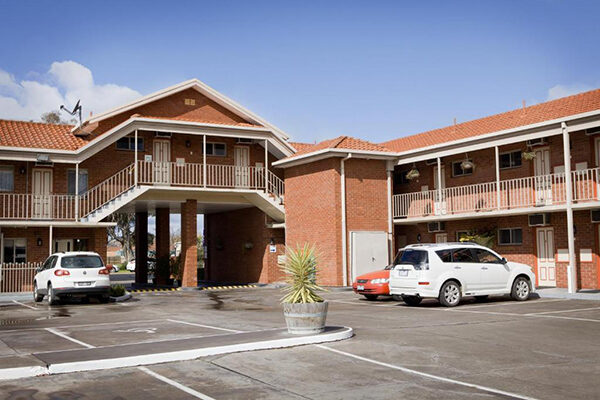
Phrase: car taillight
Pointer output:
(61, 272)
(104, 271)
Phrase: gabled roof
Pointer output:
(551, 110)
(38, 135)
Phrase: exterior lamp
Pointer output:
(413, 173)
(39, 242)
(467, 164)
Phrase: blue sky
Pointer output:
(376, 70)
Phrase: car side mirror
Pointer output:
(504, 261)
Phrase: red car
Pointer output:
(373, 284)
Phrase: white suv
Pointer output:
(77, 273)
(449, 271)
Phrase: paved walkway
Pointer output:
(561, 293)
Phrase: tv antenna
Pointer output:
(76, 110)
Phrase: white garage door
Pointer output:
(369, 252)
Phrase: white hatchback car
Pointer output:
(77, 273)
(449, 271)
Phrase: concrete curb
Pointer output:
(182, 355)
(118, 299)
(226, 287)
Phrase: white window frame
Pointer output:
(14, 247)
(510, 153)
(464, 173)
(512, 243)
(81, 171)
(11, 169)
(131, 140)
(212, 145)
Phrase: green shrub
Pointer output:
(301, 274)
(117, 290)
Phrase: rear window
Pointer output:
(411, 256)
(81, 262)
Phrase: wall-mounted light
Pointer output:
(188, 144)
(22, 170)
(40, 242)
(419, 237)
(248, 245)
(272, 241)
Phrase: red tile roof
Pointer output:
(563, 107)
(203, 121)
(340, 142)
(38, 135)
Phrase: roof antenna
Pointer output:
(524, 103)
(76, 110)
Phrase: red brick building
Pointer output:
(527, 180)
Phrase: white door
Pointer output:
(440, 202)
(162, 162)
(441, 238)
(494, 274)
(241, 160)
(63, 245)
(369, 252)
(545, 257)
(42, 189)
(542, 178)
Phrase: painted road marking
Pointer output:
(204, 326)
(514, 303)
(64, 336)
(83, 325)
(175, 384)
(25, 305)
(426, 375)
(528, 315)
(562, 311)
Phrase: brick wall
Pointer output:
(229, 259)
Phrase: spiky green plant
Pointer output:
(301, 274)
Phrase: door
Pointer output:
(466, 268)
(440, 201)
(42, 189)
(162, 162)
(441, 238)
(545, 257)
(241, 160)
(494, 274)
(369, 252)
(63, 245)
(542, 178)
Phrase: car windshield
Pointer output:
(411, 256)
(82, 261)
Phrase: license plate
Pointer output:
(360, 287)
(402, 272)
(84, 283)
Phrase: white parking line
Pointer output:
(526, 315)
(64, 336)
(426, 375)
(513, 303)
(362, 303)
(82, 325)
(562, 311)
(177, 385)
(204, 326)
(25, 305)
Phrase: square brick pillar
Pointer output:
(141, 247)
(189, 248)
(163, 244)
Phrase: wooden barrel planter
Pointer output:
(305, 318)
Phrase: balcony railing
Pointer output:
(533, 191)
(17, 206)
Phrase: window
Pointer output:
(83, 181)
(458, 171)
(485, 256)
(400, 178)
(510, 160)
(15, 251)
(216, 149)
(461, 234)
(510, 236)
(7, 179)
(128, 143)
(80, 245)
(445, 255)
(463, 255)
(81, 262)
(413, 257)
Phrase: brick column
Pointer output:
(189, 249)
(162, 244)
(141, 247)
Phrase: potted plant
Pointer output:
(304, 310)
(528, 155)
(413, 174)
(485, 237)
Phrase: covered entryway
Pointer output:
(42, 189)
(545, 257)
(369, 251)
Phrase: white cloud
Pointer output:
(64, 83)
(559, 91)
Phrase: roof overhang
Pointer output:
(330, 153)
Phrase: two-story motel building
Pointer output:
(527, 178)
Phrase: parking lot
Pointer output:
(543, 348)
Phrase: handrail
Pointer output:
(107, 190)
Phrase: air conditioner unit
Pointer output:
(433, 161)
(539, 219)
(436, 227)
(595, 215)
(163, 134)
(243, 141)
(537, 142)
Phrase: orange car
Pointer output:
(373, 284)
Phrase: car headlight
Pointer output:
(380, 280)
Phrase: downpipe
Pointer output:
(344, 230)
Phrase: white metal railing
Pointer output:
(35, 206)
(107, 190)
(525, 192)
(17, 277)
(276, 186)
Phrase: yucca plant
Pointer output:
(301, 274)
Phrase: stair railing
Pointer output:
(107, 190)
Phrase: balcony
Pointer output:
(62, 207)
(541, 191)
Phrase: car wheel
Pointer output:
(521, 289)
(36, 296)
(412, 300)
(104, 299)
(52, 299)
(371, 296)
(450, 294)
(481, 298)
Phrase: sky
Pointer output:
(376, 70)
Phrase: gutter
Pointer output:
(344, 227)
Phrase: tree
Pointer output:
(53, 117)
(123, 233)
